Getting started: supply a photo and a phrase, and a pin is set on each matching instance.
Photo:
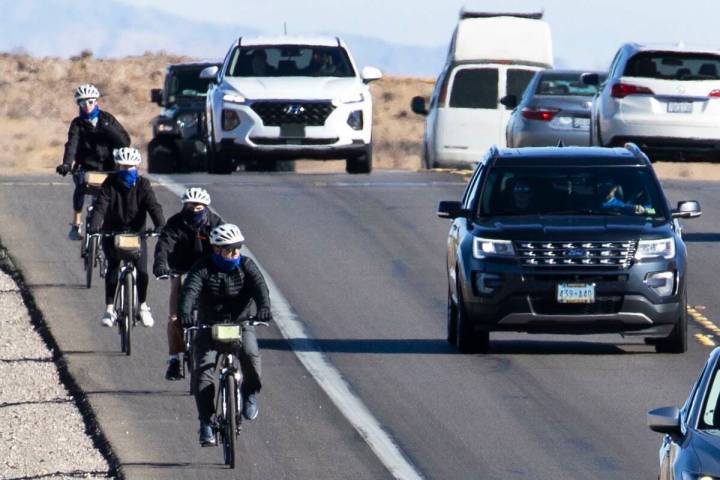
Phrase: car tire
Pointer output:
(361, 163)
(467, 340)
(676, 342)
(161, 156)
(451, 320)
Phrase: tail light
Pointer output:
(714, 93)
(542, 114)
(622, 90)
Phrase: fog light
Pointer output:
(355, 120)
(663, 283)
(486, 283)
(230, 119)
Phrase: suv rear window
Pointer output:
(290, 61)
(586, 190)
(186, 82)
(565, 84)
(674, 66)
(475, 88)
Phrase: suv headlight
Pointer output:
(663, 248)
(353, 98)
(491, 247)
(697, 476)
(233, 98)
(164, 127)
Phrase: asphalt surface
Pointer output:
(361, 261)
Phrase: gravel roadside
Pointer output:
(42, 432)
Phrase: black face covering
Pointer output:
(195, 219)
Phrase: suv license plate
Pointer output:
(576, 293)
(680, 107)
(581, 123)
(292, 130)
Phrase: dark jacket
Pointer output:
(223, 296)
(92, 147)
(180, 245)
(120, 208)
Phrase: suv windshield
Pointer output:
(581, 190)
(290, 61)
(565, 84)
(674, 66)
(186, 82)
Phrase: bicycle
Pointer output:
(188, 337)
(90, 250)
(226, 337)
(127, 248)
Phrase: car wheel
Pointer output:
(161, 156)
(676, 342)
(467, 340)
(361, 163)
(451, 320)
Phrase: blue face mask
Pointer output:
(225, 264)
(195, 219)
(94, 113)
(128, 177)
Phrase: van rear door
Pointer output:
(469, 121)
(517, 79)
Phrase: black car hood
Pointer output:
(568, 227)
(707, 449)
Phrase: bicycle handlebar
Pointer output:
(144, 234)
(252, 321)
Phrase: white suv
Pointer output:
(281, 98)
(664, 98)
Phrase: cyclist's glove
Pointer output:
(161, 271)
(186, 322)
(63, 169)
(264, 314)
(158, 230)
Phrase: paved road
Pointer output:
(360, 260)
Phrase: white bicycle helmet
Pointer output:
(196, 195)
(226, 235)
(86, 90)
(127, 156)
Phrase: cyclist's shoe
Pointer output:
(108, 318)
(174, 370)
(74, 233)
(146, 317)
(207, 437)
(250, 407)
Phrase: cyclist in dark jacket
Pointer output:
(184, 240)
(92, 137)
(123, 203)
(225, 286)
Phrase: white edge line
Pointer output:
(325, 374)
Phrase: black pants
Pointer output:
(114, 265)
(206, 377)
(79, 192)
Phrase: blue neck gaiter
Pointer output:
(225, 264)
(92, 115)
(195, 219)
(128, 177)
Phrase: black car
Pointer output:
(690, 449)
(573, 240)
(178, 142)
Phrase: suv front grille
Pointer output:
(576, 254)
(312, 114)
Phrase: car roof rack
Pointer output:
(637, 152)
(464, 14)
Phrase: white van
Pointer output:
(491, 55)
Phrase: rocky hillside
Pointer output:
(38, 106)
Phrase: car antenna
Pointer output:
(561, 143)
(285, 28)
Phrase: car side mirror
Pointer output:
(687, 209)
(370, 74)
(451, 209)
(510, 101)
(156, 95)
(417, 105)
(590, 79)
(665, 420)
(210, 73)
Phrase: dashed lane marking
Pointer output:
(326, 375)
(704, 322)
(705, 340)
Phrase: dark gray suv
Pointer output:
(574, 240)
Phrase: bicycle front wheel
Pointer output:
(129, 309)
(230, 423)
(90, 255)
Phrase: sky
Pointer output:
(586, 33)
